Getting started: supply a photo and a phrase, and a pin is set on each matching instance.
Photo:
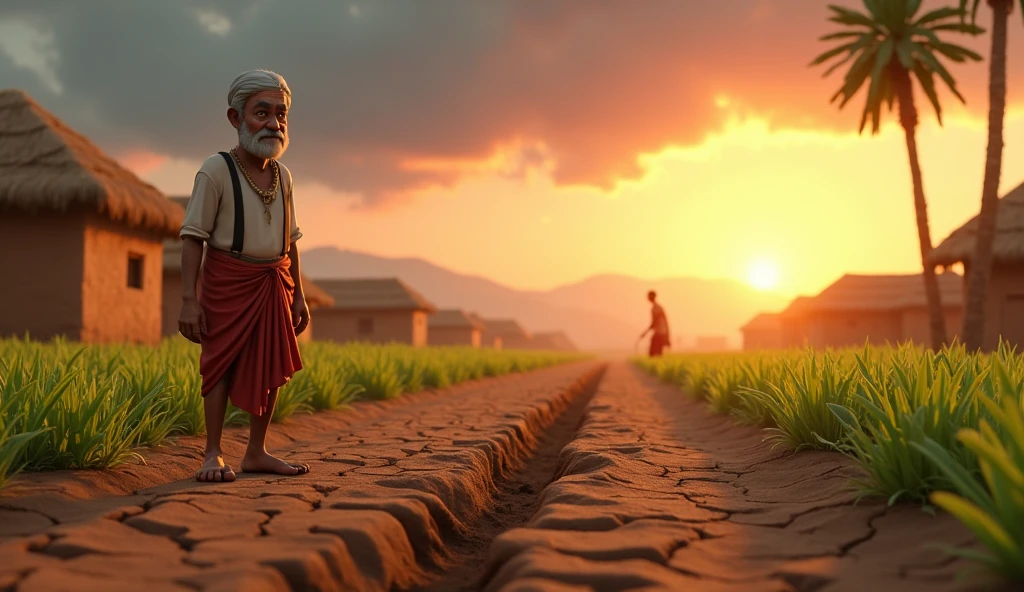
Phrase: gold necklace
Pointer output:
(267, 196)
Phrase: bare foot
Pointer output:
(214, 469)
(265, 463)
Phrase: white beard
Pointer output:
(255, 144)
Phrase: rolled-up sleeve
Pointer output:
(201, 212)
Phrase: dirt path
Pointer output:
(657, 494)
(518, 499)
(387, 498)
(499, 487)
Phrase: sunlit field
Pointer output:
(68, 406)
(942, 428)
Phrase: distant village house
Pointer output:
(454, 327)
(763, 332)
(487, 339)
(859, 309)
(711, 343)
(88, 234)
(1004, 309)
(373, 311)
(552, 341)
(512, 335)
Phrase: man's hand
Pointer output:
(300, 314)
(192, 320)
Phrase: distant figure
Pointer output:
(246, 306)
(659, 326)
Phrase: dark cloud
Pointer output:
(596, 82)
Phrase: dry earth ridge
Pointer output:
(657, 494)
(492, 487)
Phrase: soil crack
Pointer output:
(517, 500)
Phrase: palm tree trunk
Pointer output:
(980, 269)
(908, 119)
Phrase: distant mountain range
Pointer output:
(604, 312)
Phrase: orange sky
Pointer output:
(817, 203)
(755, 164)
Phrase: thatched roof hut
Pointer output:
(764, 331)
(765, 321)
(376, 310)
(506, 328)
(877, 308)
(1008, 246)
(553, 341)
(47, 166)
(454, 327)
(454, 319)
(854, 292)
(375, 294)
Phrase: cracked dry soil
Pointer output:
(581, 478)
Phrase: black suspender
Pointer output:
(239, 231)
(236, 242)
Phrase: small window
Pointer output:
(135, 265)
(365, 326)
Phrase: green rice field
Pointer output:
(941, 428)
(65, 405)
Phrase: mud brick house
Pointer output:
(552, 341)
(1004, 309)
(171, 299)
(88, 234)
(794, 323)
(875, 309)
(710, 343)
(384, 310)
(487, 340)
(454, 327)
(511, 334)
(763, 332)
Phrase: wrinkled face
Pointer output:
(263, 127)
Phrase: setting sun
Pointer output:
(763, 275)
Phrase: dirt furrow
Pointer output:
(388, 501)
(656, 493)
(517, 500)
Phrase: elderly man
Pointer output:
(247, 306)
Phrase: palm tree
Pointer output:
(979, 268)
(887, 46)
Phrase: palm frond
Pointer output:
(954, 52)
(958, 28)
(904, 51)
(882, 59)
(974, 10)
(928, 59)
(846, 16)
(927, 81)
(859, 72)
(840, 35)
(828, 55)
(938, 15)
(888, 42)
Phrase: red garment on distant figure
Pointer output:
(658, 343)
(248, 328)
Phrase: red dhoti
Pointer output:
(249, 328)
